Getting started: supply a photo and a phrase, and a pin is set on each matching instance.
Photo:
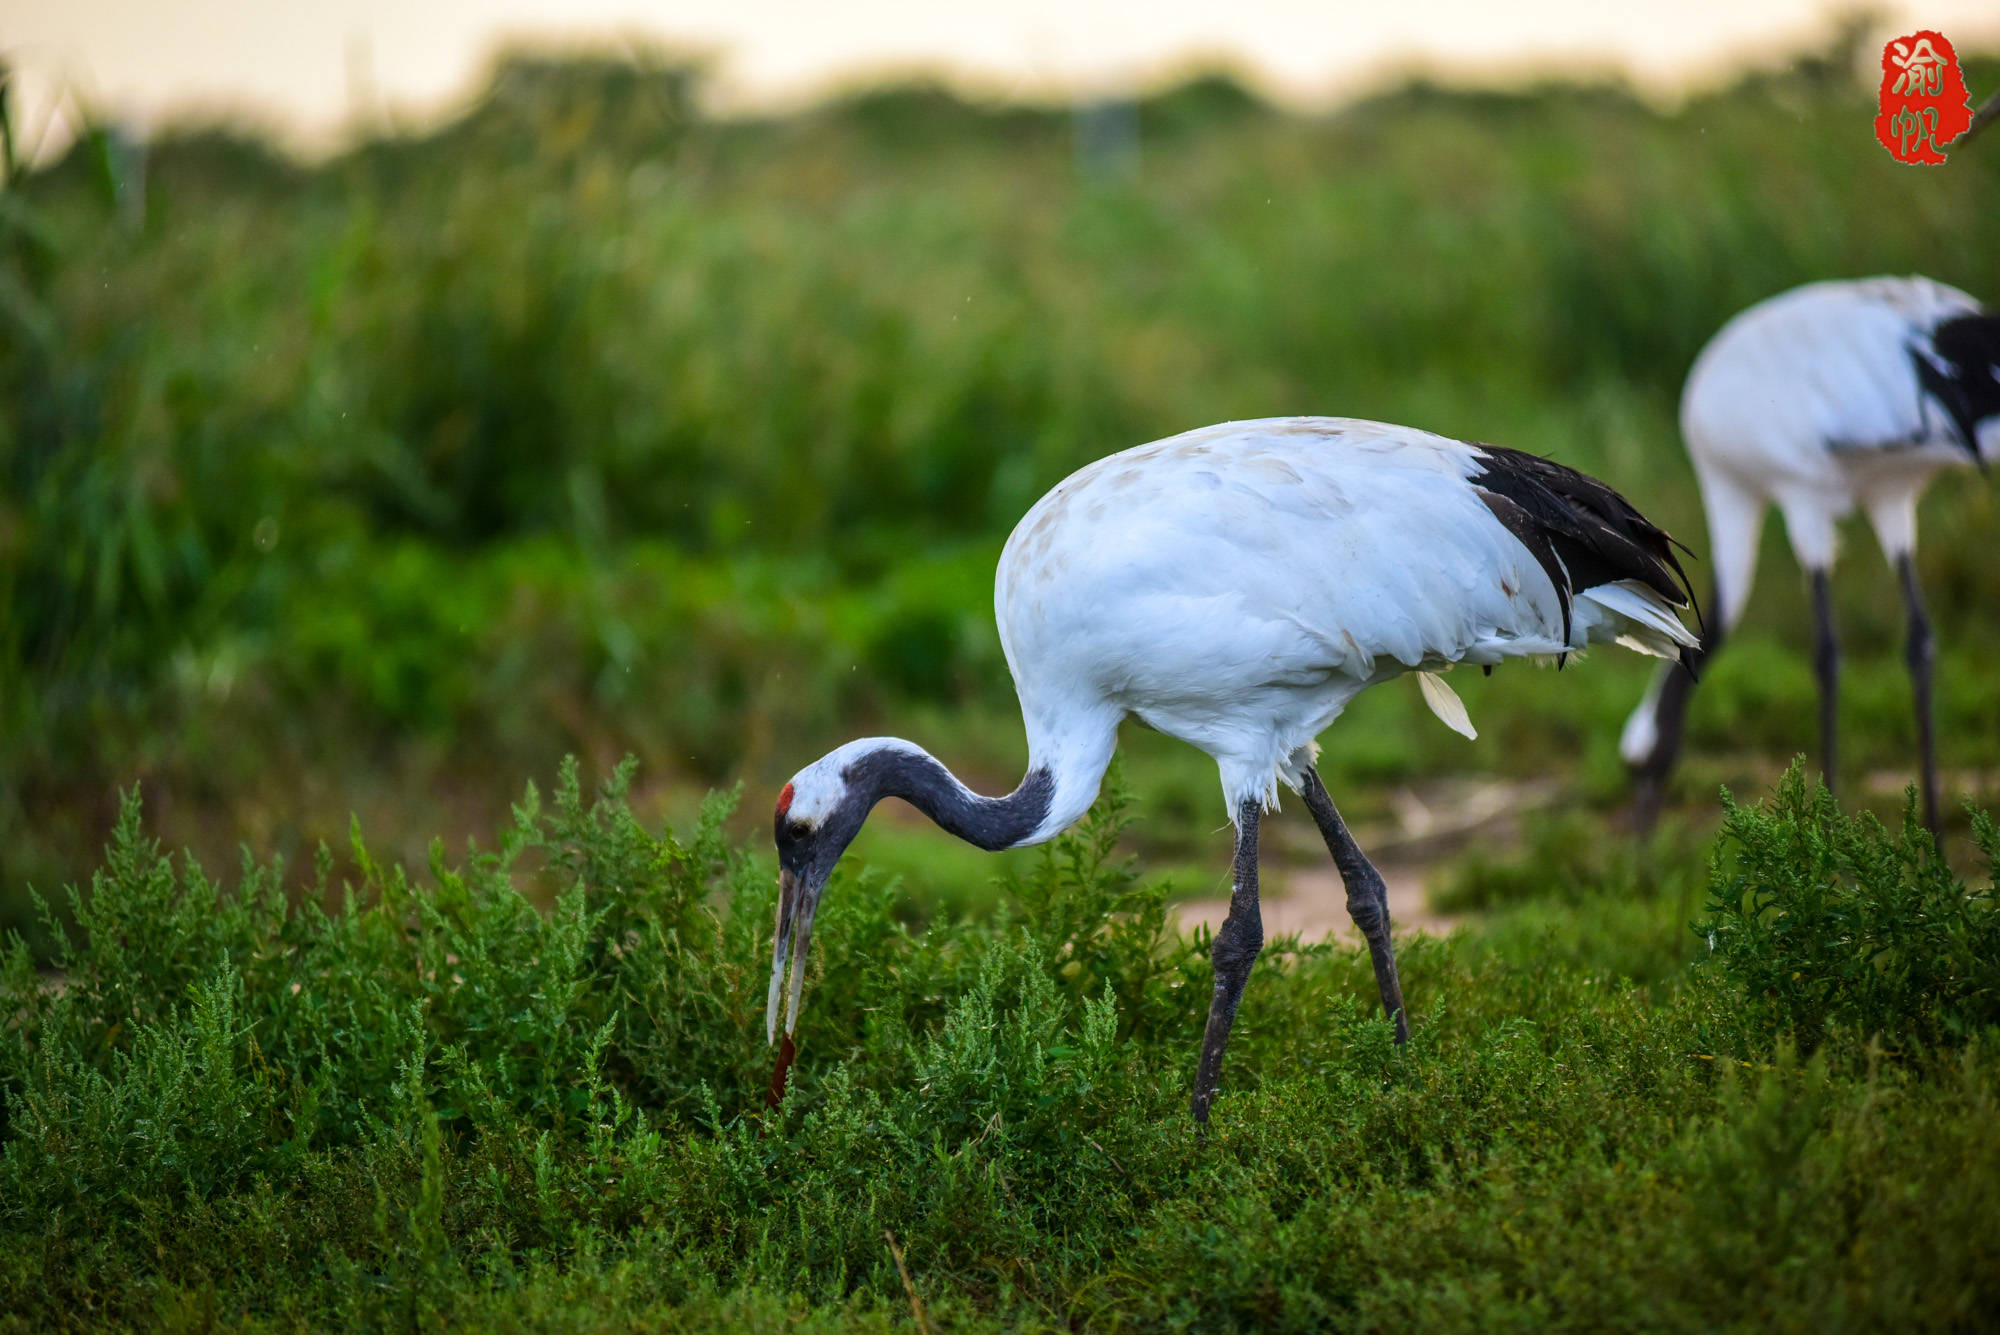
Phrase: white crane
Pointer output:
(1818, 400)
(1235, 587)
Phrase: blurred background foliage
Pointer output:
(587, 423)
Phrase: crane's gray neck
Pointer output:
(898, 769)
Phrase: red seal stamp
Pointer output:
(1923, 100)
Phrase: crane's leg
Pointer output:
(1367, 897)
(1670, 717)
(1735, 526)
(1237, 943)
(1917, 652)
(1826, 661)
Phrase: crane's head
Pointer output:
(819, 813)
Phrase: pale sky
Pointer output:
(308, 70)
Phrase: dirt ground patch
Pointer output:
(1313, 904)
(1429, 824)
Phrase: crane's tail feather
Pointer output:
(1640, 619)
(1587, 539)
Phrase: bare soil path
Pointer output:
(1313, 904)
(1432, 823)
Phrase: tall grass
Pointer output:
(588, 423)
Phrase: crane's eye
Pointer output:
(792, 836)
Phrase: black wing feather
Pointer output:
(1581, 532)
(1964, 374)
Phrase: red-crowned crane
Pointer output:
(1818, 400)
(1235, 587)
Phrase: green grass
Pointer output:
(589, 424)
(416, 1101)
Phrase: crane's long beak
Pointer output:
(798, 902)
(781, 944)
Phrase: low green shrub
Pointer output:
(1831, 922)
(423, 1102)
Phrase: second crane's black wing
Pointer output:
(1960, 371)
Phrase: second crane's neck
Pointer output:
(1061, 783)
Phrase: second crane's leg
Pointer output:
(1677, 684)
(1367, 898)
(1826, 662)
(1917, 652)
(1237, 943)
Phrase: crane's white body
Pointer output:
(1237, 585)
(1810, 401)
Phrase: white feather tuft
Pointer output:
(1444, 702)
